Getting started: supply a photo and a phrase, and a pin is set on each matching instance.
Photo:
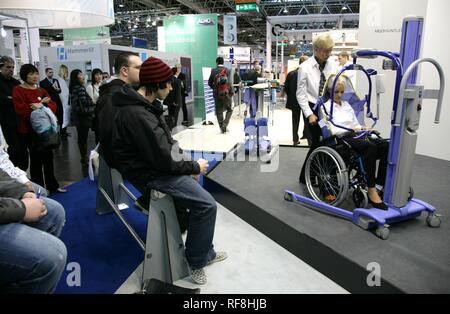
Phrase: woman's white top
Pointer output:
(93, 91)
(343, 115)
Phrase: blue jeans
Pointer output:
(32, 258)
(187, 192)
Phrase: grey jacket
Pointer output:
(12, 209)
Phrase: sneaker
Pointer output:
(220, 256)
(198, 276)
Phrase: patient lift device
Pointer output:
(405, 120)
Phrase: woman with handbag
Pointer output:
(27, 98)
(83, 110)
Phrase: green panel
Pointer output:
(194, 36)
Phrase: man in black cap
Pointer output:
(150, 158)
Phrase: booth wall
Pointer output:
(197, 37)
(380, 28)
(433, 138)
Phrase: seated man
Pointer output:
(32, 258)
(370, 149)
(149, 157)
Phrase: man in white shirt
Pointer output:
(344, 60)
(312, 76)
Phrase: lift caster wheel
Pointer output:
(288, 197)
(382, 232)
(434, 220)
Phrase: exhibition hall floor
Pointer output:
(280, 247)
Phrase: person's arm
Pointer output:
(90, 91)
(211, 79)
(4, 99)
(85, 101)
(8, 167)
(302, 93)
(10, 187)
(58, 86)
(21, 104)
(11, 210)
(51, 103)
(286, 84)
(155, 148)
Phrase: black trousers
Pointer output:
(184, 108)
(83, 126)
(220, 107)
(296, 114)
(174, 112)
(41, 164)
(316, 135)
(371, 150)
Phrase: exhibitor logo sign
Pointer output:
(205, 22)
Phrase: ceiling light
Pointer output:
(135, 26)
(148, 19)
(154, 23)
(121, 5)
(291, 42)
(285, 10)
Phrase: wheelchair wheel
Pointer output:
(360, 198)
(326, 176)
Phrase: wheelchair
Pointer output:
(334, 169)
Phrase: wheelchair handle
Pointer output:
(406, 76)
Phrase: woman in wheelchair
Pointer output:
(369, 147)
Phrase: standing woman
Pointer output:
(82, 111)
(93, 91)
(26, 98)
(63, 76)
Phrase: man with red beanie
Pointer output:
(149, 158)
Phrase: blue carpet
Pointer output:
(101, 245)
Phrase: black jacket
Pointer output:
(105, 114)
(142, 144)
(290, 88)
(81, 105)
(174, 97)
(7, 113)
(52, 92)
(182, 78)
(252, 77)
(12, 209)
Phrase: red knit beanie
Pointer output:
(153, 70)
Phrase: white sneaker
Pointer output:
(220, 256)
(198, 276)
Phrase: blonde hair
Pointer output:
(63, 72)
(323, 42)
(340, 82)
(344, 54)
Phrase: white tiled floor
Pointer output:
(256, 265)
